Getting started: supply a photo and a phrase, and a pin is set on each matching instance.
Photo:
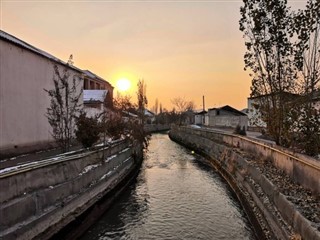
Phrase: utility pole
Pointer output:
(204, 108)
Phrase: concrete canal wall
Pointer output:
(152, 128)
(37, 202)
(268, 207)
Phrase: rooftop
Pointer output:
(94, 95)
(229, 109)
(12, 39)
(94, 76)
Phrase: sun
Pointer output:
(123, 84)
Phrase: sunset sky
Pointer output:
(180, 48)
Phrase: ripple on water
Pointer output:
(174, 197)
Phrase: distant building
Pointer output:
(188, 117)
(25, 71)
(254, 103)
(149, 116)
(227, 116)
(199, 117)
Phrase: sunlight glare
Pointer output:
(123, 84)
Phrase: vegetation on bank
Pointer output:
(283, 56)
(69, 122)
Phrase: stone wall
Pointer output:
(275, 214)
(45, 199)
(301, 168)
(151, 128)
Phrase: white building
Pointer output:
(227, 116)
(94, 102)
(25, 71)
(254, 115)
(199, 118)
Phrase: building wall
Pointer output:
(228, 121)
(254, 115)
(198, 119)
(23, 101)
(97, 84)
(219, 112)
(206, 120)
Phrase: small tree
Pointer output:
(88, 130)
(240, 131)
(142, 100)
(64, 106)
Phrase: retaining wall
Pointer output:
(151, 128)
(37, 203)
(301, 168)
(275, 211)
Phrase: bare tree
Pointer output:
(283, 54)
(182, 106)
(307, 52)
(64, 106)
(267, 31)
(304, 118)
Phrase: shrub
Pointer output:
(88, 130)
(240, 131)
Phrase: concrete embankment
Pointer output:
(271, 207)
(152, 128)
(39, 200)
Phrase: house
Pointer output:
(97, 95)
(188, 117)
(25, 72)
(254, 103)
(199, 117)
(94, 102)
(149, 116)
(227, 116)
(92, 81)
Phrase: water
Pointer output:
(174, 197)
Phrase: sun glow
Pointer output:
(123, 84)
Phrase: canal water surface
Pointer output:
(174, 197)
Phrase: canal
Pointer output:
(174, 197)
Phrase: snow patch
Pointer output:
(89, 168)
(8, 169)
(110, 158)
(124, 150)
(106, 175)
